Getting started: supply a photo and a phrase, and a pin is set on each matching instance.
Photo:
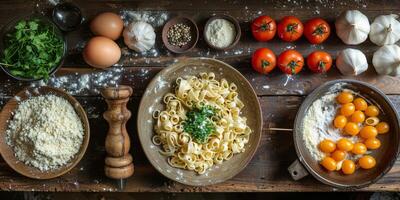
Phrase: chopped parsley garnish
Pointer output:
(32, 49)
(199, 124)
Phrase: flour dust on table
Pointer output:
(76, 84)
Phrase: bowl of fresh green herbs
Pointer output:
(32, 48)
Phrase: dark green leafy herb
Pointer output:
(199, 123)
(32, 49)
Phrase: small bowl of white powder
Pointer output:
(222, 32)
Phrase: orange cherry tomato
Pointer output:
(319, 61)
(382, 127)
(351, 128)
(344, 144)
(358, 116)
(367, 162)
(368, 132)
(347, 109)
(338, 155)
(263, 28)
(327, 146)
(263, 60)
(348, 167)
(372, 111)
(345, 97)
(290, 29)
(360, 104)
(290, 62)
(340, 121)
(359, 148)
(329, 163)
(372, 143)
(317, 30)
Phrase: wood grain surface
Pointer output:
(280, 97)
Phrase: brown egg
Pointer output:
(101, 52)
(107, 24)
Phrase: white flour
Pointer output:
(318, 122)
(220, 33)
(92, 82)
(45, 132)
(318, 125)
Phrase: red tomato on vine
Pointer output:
(290, 62)
(319, 61)
(263, 28)
(290, 29)
(317, 30)
(263, 60)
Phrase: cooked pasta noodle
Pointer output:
(230, 132)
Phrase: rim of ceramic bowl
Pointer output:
(174, 21)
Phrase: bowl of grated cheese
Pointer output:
(44, 132)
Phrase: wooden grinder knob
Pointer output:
(118, 162)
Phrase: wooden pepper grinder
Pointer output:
(118, 162)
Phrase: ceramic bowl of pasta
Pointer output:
(199, 122)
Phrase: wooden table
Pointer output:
(279, 97)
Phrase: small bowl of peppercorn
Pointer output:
(180, 34)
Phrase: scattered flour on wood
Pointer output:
(53, 2)
(155, 18)
(45, 132)
(315, 6)
(92, 83)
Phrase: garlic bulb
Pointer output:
(352, 27)
(139, 36)
(351, 62)
(386, 60)
(385, 30)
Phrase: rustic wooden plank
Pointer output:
(266, 172)
(238, 55)
(245, 11)
(138, 77)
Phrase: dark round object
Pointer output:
(194, 31)
(10, 26)
(67, 16)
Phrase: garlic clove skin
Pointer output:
(386, 60)
(139, 36)
(352, 27)
(385, 30)
(351, 62)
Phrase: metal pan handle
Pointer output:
(297, 170)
